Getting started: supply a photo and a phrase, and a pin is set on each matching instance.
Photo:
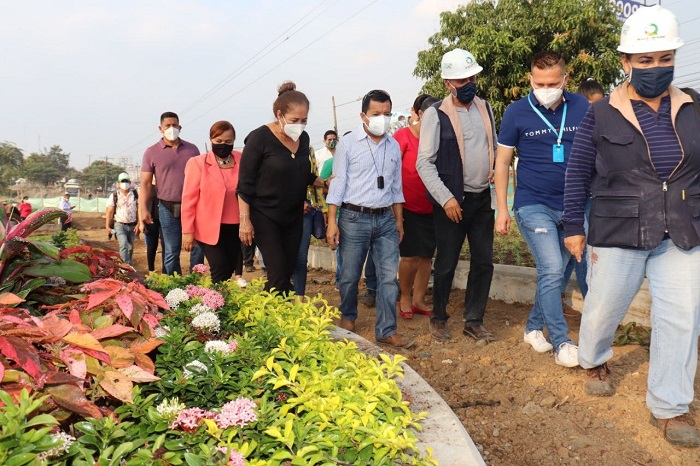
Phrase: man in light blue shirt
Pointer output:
(367, 189)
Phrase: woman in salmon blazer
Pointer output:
(210, 205)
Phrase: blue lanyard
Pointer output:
(563, 120)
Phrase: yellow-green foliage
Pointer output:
(340, 405)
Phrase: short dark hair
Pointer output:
(418, 103)
(169, 115)
(547, 59)
(287, 95)
(25, 198)
(328, 133)
(429, 102)
(589, 88)
(376, 95)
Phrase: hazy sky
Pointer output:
(94, 76)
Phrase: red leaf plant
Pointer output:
(87, 349)
(102, 263)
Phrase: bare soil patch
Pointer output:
(519, 407)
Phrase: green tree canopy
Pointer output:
(40, 169)
(11, 161)
(504, 36)
(59, 159)
(93, 176)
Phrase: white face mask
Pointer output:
(548, 97)
(293, 130)
(124, 186)
(378, 124)
(172, 133)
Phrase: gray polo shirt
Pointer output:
(476, 160)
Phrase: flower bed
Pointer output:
(107, 374)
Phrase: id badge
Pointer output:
(557, 153)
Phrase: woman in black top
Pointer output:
(274, 174)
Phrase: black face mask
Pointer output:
(651, 82)
(466, 93)
(222, 150)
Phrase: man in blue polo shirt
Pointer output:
(541, 126)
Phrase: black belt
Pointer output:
(365, 210)
(132, 224)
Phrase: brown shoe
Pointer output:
(478, 332)
(396, 341)
(569, 312)
(347, 324)
(597, 383)
(679, 430)
(438, 330)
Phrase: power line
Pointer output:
(313, 42)
(254, 59)
(259, 55)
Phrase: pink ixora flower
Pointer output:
(213, 299)
(234, 458)
(233, 344)
(188, 420)
(238, 412)
(200, 268)
(196, 290)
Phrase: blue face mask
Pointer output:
(651, 82)
(466, 93)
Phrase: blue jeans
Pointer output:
(338, 264)
(125, 238)
(360, 233)
(370, 273)
(614, 277)
(171, 230)
(300, 269)
(580, 267)
(542, 229)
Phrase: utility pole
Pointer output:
(335, 118)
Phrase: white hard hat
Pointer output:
(458, 64)
(650, 29)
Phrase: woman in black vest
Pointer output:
(638, 154)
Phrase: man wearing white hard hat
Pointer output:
(638, 153)
(456, 153)
(541, 126)
(122, 212)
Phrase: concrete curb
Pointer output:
(442, 431)
(511, 284)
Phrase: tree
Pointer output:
(504, 36)
(40, 169)
(93, 176)
(59, 159)
(11, 161)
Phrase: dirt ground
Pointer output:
(519, 407)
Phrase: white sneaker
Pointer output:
(240, 281)
(567, 355)
(538, 342)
